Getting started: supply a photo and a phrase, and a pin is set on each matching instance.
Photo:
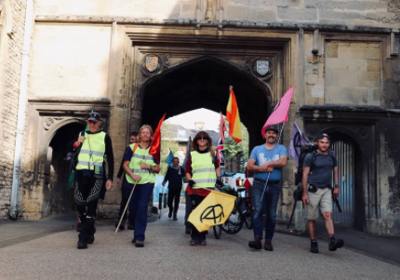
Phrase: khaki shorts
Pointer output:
(320, 200)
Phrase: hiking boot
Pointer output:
(170, 213)
(188, 230)
(268, 245)
(334, 244)
(202, 242)
(139, 243)
(82, 245)
(175, 216)
(90, 240)
(79, 227)
(121, 226)
(256, 244)
(193, 242)
(314, 247)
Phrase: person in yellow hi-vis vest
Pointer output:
(140, 168)
(95, 146)
(203, 173)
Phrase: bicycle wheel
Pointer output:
(217, 231)
(234, 223)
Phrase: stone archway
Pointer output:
(204, 83)
(57, 198)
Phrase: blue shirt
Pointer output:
(262, 155)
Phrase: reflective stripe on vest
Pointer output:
(203, 170)
(139, 156)
(92, 151)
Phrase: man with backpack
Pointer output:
(317, 189)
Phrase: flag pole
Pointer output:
(275, 149)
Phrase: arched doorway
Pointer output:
(351, 198)
(57, 197)
(204, 83)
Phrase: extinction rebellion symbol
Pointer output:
(213, 212)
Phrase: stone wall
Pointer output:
(11, 41)
(363, 12)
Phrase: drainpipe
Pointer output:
(23, 88)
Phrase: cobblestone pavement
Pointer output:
(167, 255)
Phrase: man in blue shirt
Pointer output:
(266, 161)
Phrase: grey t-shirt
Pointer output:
(321, 169)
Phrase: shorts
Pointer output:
(320, 200)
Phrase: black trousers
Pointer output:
(174, 195)
(86, 198)
(188, 210)
(196, 200)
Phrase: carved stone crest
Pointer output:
(152, 63)
(262, 67)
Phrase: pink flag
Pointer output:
(280, 113)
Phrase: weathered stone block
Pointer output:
(374, 96)
(341, 78)
(266, 15)
(373, 65)
(297, 14)
(368, 79)
(340, 16)
(331, 49)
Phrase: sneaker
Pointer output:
(334, 244)
(256, 244)
(268, 245)
(193, 242)
(314, 247)
(82, 245)
(121, 226)
(139, 243)
(203, 242)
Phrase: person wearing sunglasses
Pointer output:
(95, 147)
(203, 173)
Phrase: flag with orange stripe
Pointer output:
(232, 116)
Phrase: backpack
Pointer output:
(305, 150)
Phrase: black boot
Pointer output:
(175, 216)
(170, 213)
(314, 247)
(256, 244)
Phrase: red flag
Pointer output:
(232, 116)
(281, 111)
(221, 139)
(156, 143)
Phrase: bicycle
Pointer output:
(241, 214)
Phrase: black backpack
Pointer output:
(306, 149)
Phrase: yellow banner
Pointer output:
(213, 210)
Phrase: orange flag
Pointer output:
(232, 116)
(155, 148)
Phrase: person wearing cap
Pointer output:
(95, 146)
(317, 194)
(266, 162)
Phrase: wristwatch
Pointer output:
(336, 186)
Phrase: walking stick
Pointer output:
(126, 207)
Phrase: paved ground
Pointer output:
(46, 249)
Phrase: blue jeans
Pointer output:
(138, 208)
(270, 199)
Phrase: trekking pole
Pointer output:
(269, 173)
(126, 207)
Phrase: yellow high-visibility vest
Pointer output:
(92, 151)
(203, 170)
(139, 156)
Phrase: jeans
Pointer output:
(138, 208)
(270, 200)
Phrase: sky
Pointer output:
(211, 119)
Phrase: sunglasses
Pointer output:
(202, 138)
